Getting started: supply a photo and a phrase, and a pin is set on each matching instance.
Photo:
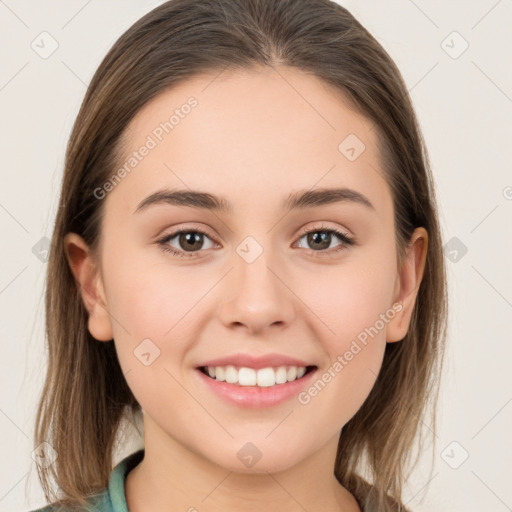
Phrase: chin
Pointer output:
(250, 459)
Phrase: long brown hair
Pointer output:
(85, 396)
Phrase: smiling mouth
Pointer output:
(252, 377)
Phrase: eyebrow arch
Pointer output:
(295, 201)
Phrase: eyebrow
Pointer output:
(298, 200)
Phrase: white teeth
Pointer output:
(231, 374)
(292, 373)
(263, 377)
(266, 377)
(281, 375)
(247, 377)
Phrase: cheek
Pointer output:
(348, 299)
(355, 344)
(151, 313)
(351, 306)
(149, 300)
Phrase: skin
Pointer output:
(253, 138)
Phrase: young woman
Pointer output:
(247, 255)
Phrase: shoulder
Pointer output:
(99, 503)
(113, 498)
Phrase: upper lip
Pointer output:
(246, 360)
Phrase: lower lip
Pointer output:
(255, 396)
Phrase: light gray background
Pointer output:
(465, 108)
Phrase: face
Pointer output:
(316, 282)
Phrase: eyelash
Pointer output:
(347, 241)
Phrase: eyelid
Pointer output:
(186, 228)
(319, 226)
(322, 226)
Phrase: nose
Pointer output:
(258, 297)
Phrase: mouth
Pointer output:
(256, 377)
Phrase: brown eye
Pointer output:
(319, 240)
(190, 240)
(187, 242)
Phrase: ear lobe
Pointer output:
(88, 279)
(408, 284)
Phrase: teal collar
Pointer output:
(116, 491)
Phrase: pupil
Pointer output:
(190, 238)
(320, 237)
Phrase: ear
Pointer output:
(407, 285)
(88, 279)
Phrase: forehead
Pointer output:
(259, 131)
